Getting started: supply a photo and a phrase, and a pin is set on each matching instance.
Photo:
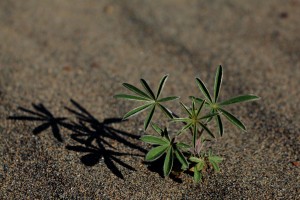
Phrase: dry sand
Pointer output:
(53, 51)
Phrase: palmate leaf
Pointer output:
(137, 110)
(154, 140)
(207, 130)
(239, 99)
(149, 117)
(166, 111)
(156, 152)
(203, 89)
(168, 164)
(187, 126)
(197, 175)
(214, 161)
(157, 129)
(186, 108)
(171, 98)
(136, 90)
(147, 88)
(182, 145)
(220, 125)
(179, 155)
(233, 119)
(161, 85)
(131, 97)
(218, 82)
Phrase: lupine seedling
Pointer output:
(192, 156)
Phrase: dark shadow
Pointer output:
(157, 167)
(96, 139)
(43, 115)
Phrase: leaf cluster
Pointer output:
(199, 115)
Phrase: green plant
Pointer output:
(192, 156)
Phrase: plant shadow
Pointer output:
(156, 166)
(43, 115)
(99, 140)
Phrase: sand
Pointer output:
(62, 61)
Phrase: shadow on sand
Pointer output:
(96, 139)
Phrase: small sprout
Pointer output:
(191, 156)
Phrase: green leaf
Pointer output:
(166, 111)
(157, 129)
(165, 134)
(218, 81)
(220, 125)
(197, 175)
(187, 126)
(233, 119)
(186, 108)
(156, 152)
(181, 159)
(147, 88)
(136, 111)
(203, 89)
(149, 117)
(214, 161)
(200, 108)
(182, 145)
(195, 159)
(168, 164)
(181, 120)
(136, 90)
(154, 140)
(239, 99)
(161, 85)
(207, 130)
(195, 134)
(209, 115)
(167, 99)
(200, 165)
(131, 97)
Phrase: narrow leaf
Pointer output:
(197, 175)
(149, 117)
(215, 165)
(131, 97)
(182, 145)
(218, 82)
(154, 140)
(157, 129)
(187, 126)
(181, 120)
(161, 85)
(168, 164)
(209, 115)
(136, 111)
(239, 99)
(136, 90)
(233, 119)
(166, 111)
(186, 109)
(203, 89)
(168, 99)
(207, 130)
(200, 165)
(156, 153)
(195, 134)
(220, 125)
(195, 159)
(181, 159)
(200, 108)
(147, 88)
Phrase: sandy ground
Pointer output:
(62, 61)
